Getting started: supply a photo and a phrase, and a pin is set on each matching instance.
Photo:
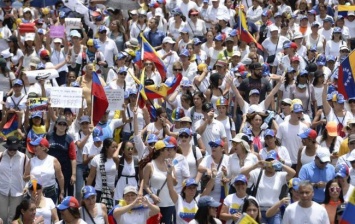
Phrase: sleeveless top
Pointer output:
(304, 158)
(43, 170)
(156, 182)
(99, 219)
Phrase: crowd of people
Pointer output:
(256, 128)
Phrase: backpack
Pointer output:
(120, 169)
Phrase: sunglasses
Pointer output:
(285, 104)
(129, 149)
(352, 161)
(194, 15)
(151, 144)
(334, 189)
(184, 136)
(177, 69)
(351, 101)
(62, 124)
(123, 73)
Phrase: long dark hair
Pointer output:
(201, 216)
(106, 144)
(24, 205)
(247, 203)
(327, 194)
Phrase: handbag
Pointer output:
(206, 178)
(106, 197)
(254, 188)
(271, 58)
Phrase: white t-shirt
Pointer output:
(288, 134)
(91, 150)
(234, 204)
(181, 171)
(227, 122)
(46, 212)
(185, 212)
(234, 163)
(111, 172)
(191, 161)
(295, 214)
(135, 216)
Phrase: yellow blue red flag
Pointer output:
(348, 215)
(346, 76)
(246, 219)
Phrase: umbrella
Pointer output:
(43, 3)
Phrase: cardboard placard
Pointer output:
(38, 104)
(34, 76)
(72, 23)
(115, 99)
(66, 97)
(57, 32)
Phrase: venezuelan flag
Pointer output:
(348, 215)
(244, 34)
(246, 219)
(155, 92)
(100, 102)
(10, 127)
(344, 9)
(346, 72)
(148, 52)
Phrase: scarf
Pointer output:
(106, 197)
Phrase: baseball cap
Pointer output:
(269, 132)
(297, 35)
(351, 138)
(152, 138)
(337, 30)
(240, 178)
(61, 119)
(171, 141)
(303, 73)
(294, 183)
(242, 138)
(36, 114)
(254, 91)
(309, 133)
(41, 31)
(133, 91)
(295, 58)
(221, 63)
(233, 33)
(323, 154)
(290, 69)
(297, 108)
(18, 82)
(341, 170)
(338, 97)
(177, 114)
(208, 201)
(344, 47)
(168, 40)
(185, 53)
(184, 30)
(40, 141)
(186, 119)
(271, 155)
(84, 119)
(328, 19)
(44, 53)
(130, 189)
(186, 131)
(74, 33)
(331, 58)
(321, 60)
(207, 107)
(57, 40)
(287, 100)
(219, 37)
(315, 24)
(303, 17)
(122, 70)
(97, 134)
(189, 182)
(12, 143)
(351, 157)
(254, 109)
(216, 143)
(332, 127)
(68, 202)
(88, 191)
(221, 101)
(160, 145)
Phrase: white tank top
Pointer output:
(43, 170)
(304, 158)
(156, 181)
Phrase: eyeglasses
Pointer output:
(177, 69)
(184, 136)
(351, 101)
(62, 124)
(334, 189)
(148, 64)
(129, 149)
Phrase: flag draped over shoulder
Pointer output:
(148, 52)
(100, 102)
(346, 72)
(344, 9)
(348, 215)
(244, 34)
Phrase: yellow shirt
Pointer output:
(344, 148)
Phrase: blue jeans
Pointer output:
(126, 136)
(79, 184)
(169, 215)
(276, 219)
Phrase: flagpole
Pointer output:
(240, 19)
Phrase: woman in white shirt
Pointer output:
(134, 208)
(314, 39)
(196, 27)
(332, 46)
(176, 25)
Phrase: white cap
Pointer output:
(168, 40)
(351, 157)
(6, 53)
(344, 47)
(30, 36)
(351, 13)
(75, 33)
(254, 108)
(273, 27)
(323, 154)
(129, 189)
(26, 10)
(297, 35)
(57, 40)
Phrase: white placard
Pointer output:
(72, 23)
(1, 98)
(115, 99)
(34, 76)
(66, 97)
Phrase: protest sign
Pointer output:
(34, 76)
(72, 23)
(115, 99)
(57, 32)
(38, 104)
(66, 97)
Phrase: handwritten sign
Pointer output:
(115, 99)
(1, 98)
(66, 97)
(72, 23)
(34, 76)
(38, 104)
(57, 31)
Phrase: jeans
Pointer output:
(169, 215)
(79, 184)
(276, 219)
